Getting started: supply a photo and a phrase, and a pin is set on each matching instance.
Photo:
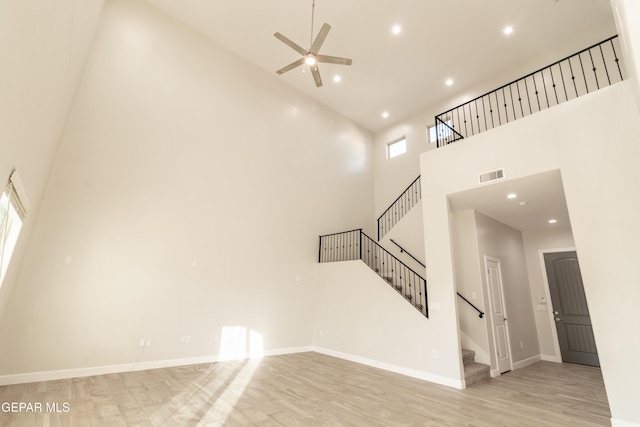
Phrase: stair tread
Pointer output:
(474, 368)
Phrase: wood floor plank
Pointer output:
(311, 389)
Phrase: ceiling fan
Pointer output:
(311, 57)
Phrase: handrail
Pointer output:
(471, 304)
(355, 244)
(400, 206)
(403, 250)
(558, 82)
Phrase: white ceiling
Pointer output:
(543, 195)
(404, 73)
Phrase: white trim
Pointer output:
(549, 358)
(450, 382)
(621, 423)
(131, 367)
(526, 362)
(547, 295)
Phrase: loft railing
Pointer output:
(586, 71)
(355, 244)
(399, 208)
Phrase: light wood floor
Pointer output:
(311, 389)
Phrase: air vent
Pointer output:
(491, 176)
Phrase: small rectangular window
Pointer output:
(441, 131)
(396, 148)
(12, 213)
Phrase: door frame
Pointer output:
(547, 294)
(496, 372)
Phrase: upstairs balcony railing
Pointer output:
(590, 69)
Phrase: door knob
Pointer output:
(558, 319)
(556, 313)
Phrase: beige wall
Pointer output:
(593, 142)
(358, 316)
(44, 48)
(497, 240)
(474, 334)
(171, 210)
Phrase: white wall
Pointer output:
(186, 199)
(627, 17)
(593, 141)
(535, 241)
(44, 47)
(474, 334)
(360, 317)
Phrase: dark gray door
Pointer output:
(570, 311)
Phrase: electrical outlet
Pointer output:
(521, 344)
(321, 333)
(188, 339)
(183, 339)
(435, 354)
(148, 342)
(142, 342)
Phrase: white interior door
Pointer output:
(498, 315)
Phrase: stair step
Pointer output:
(468, 356)
(476, 372)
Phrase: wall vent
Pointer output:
(491, 176)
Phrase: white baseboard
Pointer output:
(550, 358)
(459, 384)
(131, 367)
(622, 423)
(526, 362)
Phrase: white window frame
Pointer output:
(445, 132)
(13, 209)
(401, 143)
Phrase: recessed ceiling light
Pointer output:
(337, 78)
(385, 114)
(523, 203)
(553, 221)
(449, 82)
(512, 196)
(396, 29)
(508, 30)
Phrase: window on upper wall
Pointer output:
(12, 213)
(396, 148)
(441, 131)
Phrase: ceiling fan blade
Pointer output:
(316, 76)
(317, 43)
(291, 66)
(333, 59)
(291, 44)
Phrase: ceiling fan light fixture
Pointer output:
(310, 59)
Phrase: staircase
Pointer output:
(474, 372)
(356, 245)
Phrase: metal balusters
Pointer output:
(399, 208)
(584, 72)
(355, 244)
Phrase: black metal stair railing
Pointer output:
(355, 244)
(586, 71)
(399, 208)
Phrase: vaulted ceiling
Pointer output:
(402, 73)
